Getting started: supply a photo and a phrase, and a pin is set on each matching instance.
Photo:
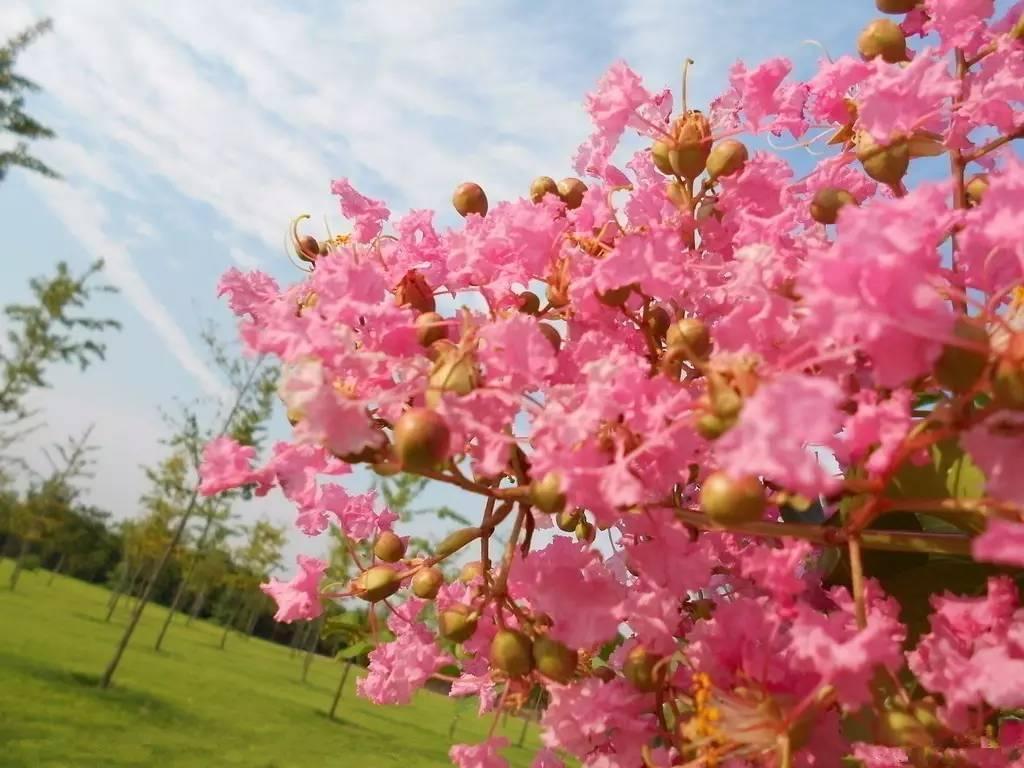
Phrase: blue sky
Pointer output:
(191, 132)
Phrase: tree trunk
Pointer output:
(18, 564)
(230, 624)
(122, 582)
(311, 648)
(341, 687)
(197, 606)
(254, 615)
(112, 606)
(179, 593)
(56, 569)
(298, 637)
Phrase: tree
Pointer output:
(253, 386)
(13, 118)
(715, 306)
(256, 560)
(49, 500)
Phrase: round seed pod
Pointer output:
(421, 439)
(554, 660)
(469, 198)
(884, 39)
(728, 500)
(427, 583)
(378, 583)
(512, 653)
(726, 158)
(571, 190)
(541, 186)
(827, 202)
(389, 547)
(457, 623)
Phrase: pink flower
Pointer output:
(300, 597)
(959, 23)
(400, 668)
(247, 293)
(226, 464)
(546, 758)
(619, 94)
(992, 255)
(779, 571)
(365, 212)
(831, 87)
(761, 93)
(877, 428)
(576, 569)
(775, 428)
(1002, 542)
(874, 756)
(515, 354)
(899, 100)
(994, 445)
(484, 755)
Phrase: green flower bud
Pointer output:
(957, 368)
(728, 500)
(554, 660)
(512, 653)
(571, 191)
(885, 164)
(378, 583)
(551, 334)
(690, 337)
(567, 520)
(826, 204)
(642, 670)
(389, 547)
(546, 493)
(726, 158)
(585, 532)
(529, 303)
(421, 439)
(542, 185)
(456, 540)
(427, 583)
(430, 327)
(896, 6)
(883, 38)
(457, 623)
(976, 188)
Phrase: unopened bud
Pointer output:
(976, 188)
(883, 38)
(689, 336)
(886, 164)
(551, 334)
(585, 532)
(711, 426)
(567, 520)
(427, 583)
(378, 583)
(959, 368)
(455, 372)
(896, 6)
(389, 547)
(413, 291)
(421, 439)
(729, 500)
(541, 186)
(657, 321)
(1008, 377)
(554, 660)
(307, 248)
(726, 158)
(659, 155)
(470, 198)
(643, 671)
(616, 297)
(546, 494)
(457, 623)
(529, 303)
(455, 541)
(692, 145)
(827, 202)
(430, 327)
(512, 653)
(471, 572)
(571, 190)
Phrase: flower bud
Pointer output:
(427, 583)
(455, 541)
(642, 670)
(551, 334)
(659, 155)
(567, 520)
(585, 532)
(529, 303)
(389, 547)
(541, 186)
(729, 500)
(958, 368)
(378, 583)
(457, 623)
(726, 158)
(604, 674)
(711, 426)
(386, 468)
(471, 572)
(1008, 377)
(826, 204)
(976, 188)
(896, 6)
(657, 321)
(430, 327)
(678, 194)
(307, 248)
(883, 38)
(692, 145)
(554, 660)
(454, 371)
(898, 728)
(413, 291)
(546, 494)
(571, 191)
(885, 164)
(421, 439)
(725, 401)
(689, 337)
(512, 653)
(616, 297)
(470, 198)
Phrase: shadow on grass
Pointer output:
(342, 722)
(126, 698)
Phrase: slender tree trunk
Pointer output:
(298, 636)
(183, 585)
(341, 688)
(55, 570)
(197, 606)
(311, 648)
(230, 624)
(112, 606)
(19, 563)
(129, 630)
(122, 582)
(254, 615)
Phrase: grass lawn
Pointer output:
(193, 704)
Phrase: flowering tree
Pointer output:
(793, 404)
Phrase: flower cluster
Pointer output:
(792, 406)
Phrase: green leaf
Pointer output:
(355, 650)
(949, 474)
(913, 588)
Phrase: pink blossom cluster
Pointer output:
(683, 361)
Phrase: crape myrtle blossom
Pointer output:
(644, 369)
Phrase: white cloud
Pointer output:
(86, 220)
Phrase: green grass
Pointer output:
(193, 704)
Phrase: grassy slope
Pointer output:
(191, 704)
